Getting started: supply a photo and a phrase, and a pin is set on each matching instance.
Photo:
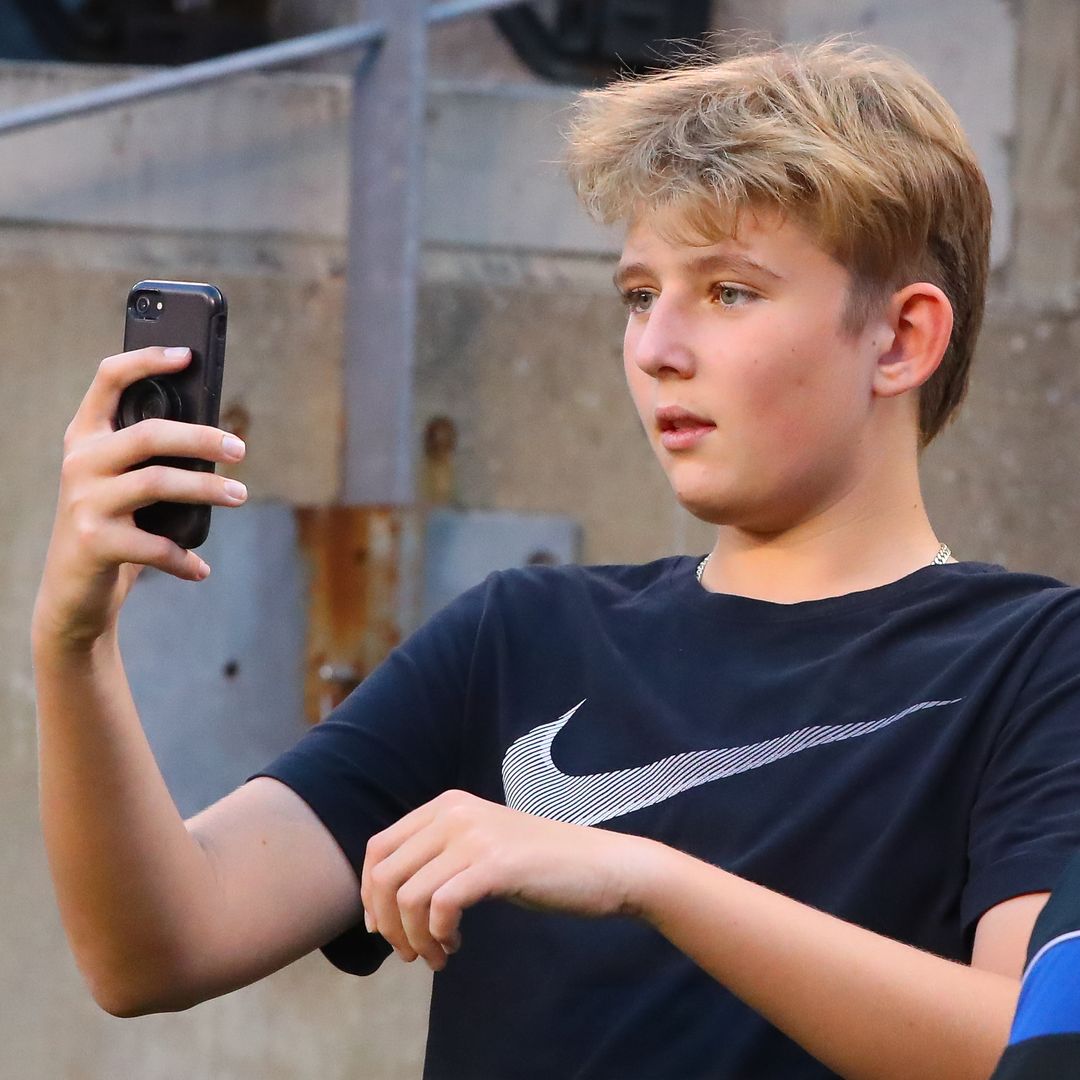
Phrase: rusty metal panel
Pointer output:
(216, 666)
(359, 562)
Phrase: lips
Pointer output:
(680, 429)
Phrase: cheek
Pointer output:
(629, 344)
(790, 396)
(638, 383)
(811, 400)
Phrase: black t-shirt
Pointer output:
(903, 758)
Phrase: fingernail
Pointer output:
(233, 446)
(369, 922)
(177, 353)
(234, 489)
(204, 571)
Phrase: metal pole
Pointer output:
(388, 122)
(456, 9)
(189, 76)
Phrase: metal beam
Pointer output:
(387, 138)
(457, 9)
(189, 76)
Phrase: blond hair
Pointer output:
(847, 138)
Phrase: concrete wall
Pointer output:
(271, 155)
(519, 345)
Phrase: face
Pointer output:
(756, 402)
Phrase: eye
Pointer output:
(733, 295)
(637, 301)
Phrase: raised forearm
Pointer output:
(125, 869)
(864, 1005)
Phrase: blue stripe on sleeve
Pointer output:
(1050, 997)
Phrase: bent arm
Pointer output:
(863, 1004)
(162, 914)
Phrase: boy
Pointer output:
(811, 788)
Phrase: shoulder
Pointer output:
(1025, 626)
(987, 589)
(546, 597)
(605, 585)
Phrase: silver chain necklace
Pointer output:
(943, 556)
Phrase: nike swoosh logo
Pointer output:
(532, 782)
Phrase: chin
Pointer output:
(710, 506)
(760, 512)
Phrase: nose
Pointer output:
(660, 344)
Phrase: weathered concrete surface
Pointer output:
(270, 154)
(1045, 272)
(1002, 482)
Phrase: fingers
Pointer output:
(418, 911)
(114, 375)
(101, 488)
(412, 906)
(407, 863)
(116, 543)
(389, 840)
(162, 483)
(471, 885)
(98, 505)
(388, 864)
(158, 438)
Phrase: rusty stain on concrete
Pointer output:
(354, 558)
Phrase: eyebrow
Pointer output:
(704, 264)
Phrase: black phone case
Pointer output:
(194, 315)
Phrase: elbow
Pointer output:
(127, 998)
(124, 1002)
(122, 1008)
(117, 1000)
(126, 1006)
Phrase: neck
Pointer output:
(871, 535)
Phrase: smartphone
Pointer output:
(169, 313)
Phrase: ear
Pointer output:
(920, 319)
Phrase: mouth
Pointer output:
(680, 429)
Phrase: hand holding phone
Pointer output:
(176, 313)
(112, 471)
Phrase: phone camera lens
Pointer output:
(142, 304)
(149, 399)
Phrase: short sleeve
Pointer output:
(393, 744)
(1025, 822)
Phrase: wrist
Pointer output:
(49, 640)
(655, 866)
(669, 881)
